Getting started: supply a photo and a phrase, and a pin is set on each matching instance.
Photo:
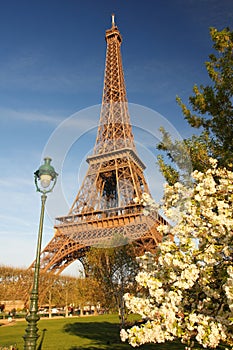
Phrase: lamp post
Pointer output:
(47, 177)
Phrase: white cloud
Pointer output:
(9, 114)
(43, 72)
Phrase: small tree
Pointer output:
(115, 270)
(188, 284)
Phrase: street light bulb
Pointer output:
(45, 180)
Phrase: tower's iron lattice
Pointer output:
(103, 212)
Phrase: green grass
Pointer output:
(93, 332)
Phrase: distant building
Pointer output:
(12, 304)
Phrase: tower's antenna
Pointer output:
(113, 20)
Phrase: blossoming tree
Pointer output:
(186, 289)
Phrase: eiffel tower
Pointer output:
(104, 211)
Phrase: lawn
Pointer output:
(93, 332)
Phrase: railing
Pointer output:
(100, 214)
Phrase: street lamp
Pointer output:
(45, 180)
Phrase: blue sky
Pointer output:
(51, 68)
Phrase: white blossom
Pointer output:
(188, 283)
